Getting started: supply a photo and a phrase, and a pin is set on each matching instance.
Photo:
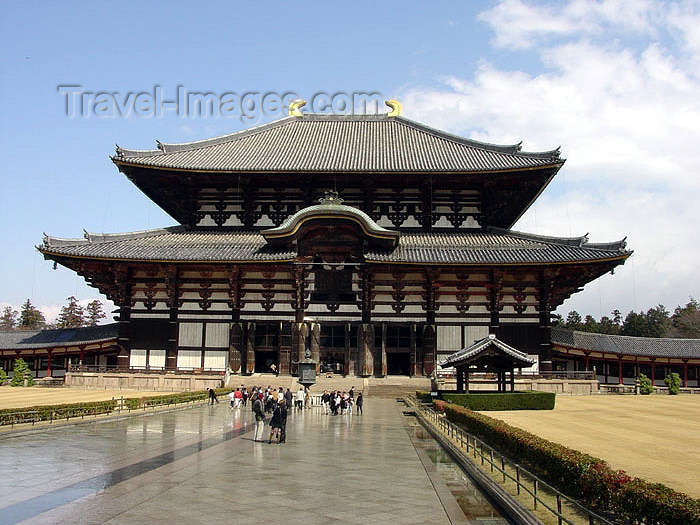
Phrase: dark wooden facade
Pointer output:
(414, 262)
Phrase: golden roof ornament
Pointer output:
(331, 197)
(395, 107)
(294, 107)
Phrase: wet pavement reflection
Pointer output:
(200, 465)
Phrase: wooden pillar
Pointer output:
(653, 373)
(170, 274)
(366, 343)
(619, 370)
(429, 349)
(350, 353)
(587, 362)
(236, 347)
(250, 349)
(459, 370)
(382, 353)
(285, 366)
(512, 380)
(544, 307)
(413, 357)
(685, 373)
(300, 340)
(466, 378)
(236, 341)
(48, 365)
(315, 344)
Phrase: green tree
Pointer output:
(72, 315)
(686, 320)
(8, 318)
(94, 313)
(673, 382)
(30, 317)
(590, 324)
(654, 323)
(573, 321)
(608, 326)
(20, 372)
(3, 377)
(645, 386)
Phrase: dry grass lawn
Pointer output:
(19, 397)
(652, 437)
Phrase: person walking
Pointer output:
(358, 403)
(278, 422)
(300, 398)
(212, 397)
(259, 418)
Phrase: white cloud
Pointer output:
(627, 118)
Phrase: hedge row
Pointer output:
(580, 475)
(171, 399)
(530, 400)
(9, 416)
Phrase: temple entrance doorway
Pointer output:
(398, 363)
(264, 360)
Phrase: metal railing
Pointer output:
(526, 485)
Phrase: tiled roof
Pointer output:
(21, 339)
(626, 345)
(346, 143)
(169, 244)
(495, 247)
(467, 354)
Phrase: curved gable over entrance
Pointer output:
(332, 231)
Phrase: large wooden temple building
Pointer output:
(379, 243)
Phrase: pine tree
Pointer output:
(30, 317)
(72, 315)
(686, 320)
(94, 313)
(20, 372)
(9, 318)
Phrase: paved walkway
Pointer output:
(200, 466)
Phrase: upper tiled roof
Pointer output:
(20, 339)
(626, 345)
(467, 354)
(338, 143)
(494, 247)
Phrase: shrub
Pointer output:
(20, 372)
(645, 386)
(424, 396)
(50, 412)
(504, 401)
(3, 377)
(673, 382)
(581, 475)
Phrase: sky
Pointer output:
(614, 83)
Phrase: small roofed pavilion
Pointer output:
(488, 355)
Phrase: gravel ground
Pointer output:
(18, 397)
(653, 437)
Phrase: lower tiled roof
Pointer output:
(467, 354)
(627, 345)
(179, 244)
(26, 339)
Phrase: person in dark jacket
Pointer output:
(358, 403)
(259, 418)
(212, 397)
(278, 423)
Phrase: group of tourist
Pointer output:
(337, 402)
(278, 401)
